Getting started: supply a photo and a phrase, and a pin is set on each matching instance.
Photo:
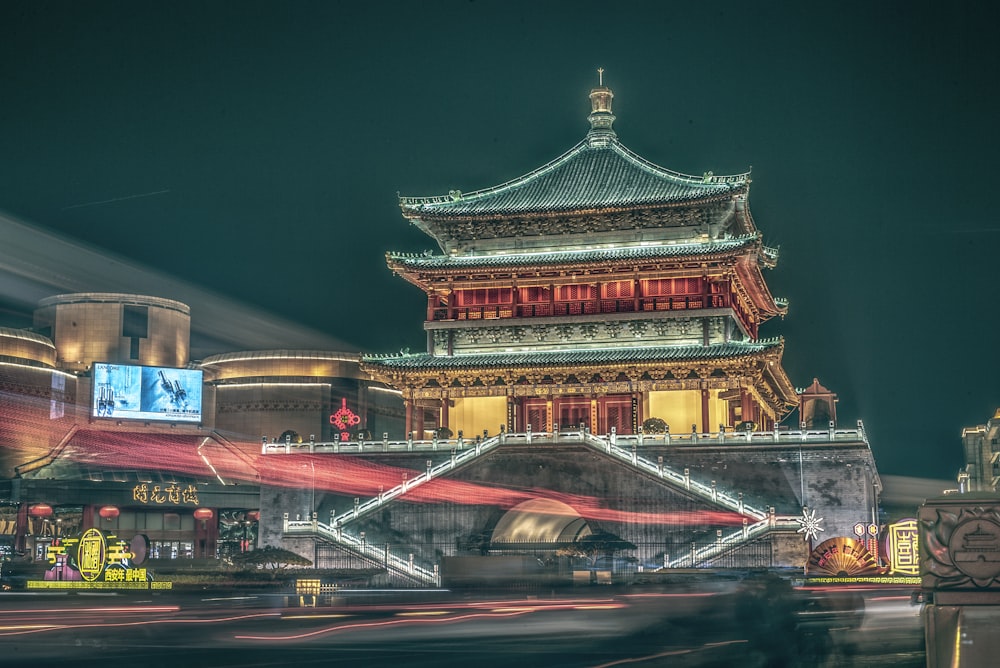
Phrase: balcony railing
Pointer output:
(587, 307)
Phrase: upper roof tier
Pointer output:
(597, 178)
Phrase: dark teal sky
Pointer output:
(257, 149)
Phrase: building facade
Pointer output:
(981, 445)
(107, 423)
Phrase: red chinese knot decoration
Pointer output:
(344, 419)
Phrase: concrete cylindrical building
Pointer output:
(113, 327)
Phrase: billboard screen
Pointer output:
(128, 392)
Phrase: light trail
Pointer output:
(151, 622)
(675, 652)
(198, 456)
(115, 199)
(383, 624)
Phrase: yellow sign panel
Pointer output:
(902, 546)
(91, 554)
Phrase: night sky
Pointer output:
(256, 149)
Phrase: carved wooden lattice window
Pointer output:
(484, 296)
(617, 290)
(535, 294)
(657, 287)
(572, 293)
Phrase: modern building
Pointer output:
(108, 423)
(982, 456)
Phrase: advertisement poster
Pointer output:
(124, 391)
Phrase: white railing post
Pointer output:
(284, 523)
(527, 434)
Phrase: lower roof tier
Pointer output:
(732, 364)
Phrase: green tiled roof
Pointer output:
(602, 176)
(509, 360)
(416, 261)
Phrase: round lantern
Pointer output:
(109, 512)
(40, 510)
(253, 515)
(203, 514)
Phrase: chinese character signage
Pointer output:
(172, 494)
(902, 543)
(96, 559)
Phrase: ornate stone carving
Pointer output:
(962, 545)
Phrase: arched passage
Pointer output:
(540, 521)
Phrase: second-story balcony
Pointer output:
(581, 307)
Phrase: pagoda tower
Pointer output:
(598, 290)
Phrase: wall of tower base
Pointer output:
(662, 521)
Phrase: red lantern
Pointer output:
(40, 510)
(203, 514)
(253, 515)
(108, 512)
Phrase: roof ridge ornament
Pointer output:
(601, 118)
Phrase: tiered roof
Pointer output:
(586, 178)
(551, 258)
(578, 356)
(597, 192)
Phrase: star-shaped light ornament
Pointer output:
(809, 524)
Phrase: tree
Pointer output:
(273, 559)
(654, 425)
(594, 546)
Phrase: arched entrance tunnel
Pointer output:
(540, 522)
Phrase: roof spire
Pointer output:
(601, 117)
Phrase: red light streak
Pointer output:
(203, 456)
(151, 622)
(387, 623)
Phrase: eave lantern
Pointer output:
(109, 512)
(253, 515)
(203, 514)
(40, 510)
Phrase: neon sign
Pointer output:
(97, 559)
(344, 419)
(902, 547)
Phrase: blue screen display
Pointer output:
(124, 391)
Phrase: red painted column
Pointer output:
(431, 305)
(419, 421)
(408, 404)
(704, 411)
(445, 402)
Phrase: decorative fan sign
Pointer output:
(842, 556)
(344, 419)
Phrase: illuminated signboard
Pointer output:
(124, 391)
(902, 543)
(172, 494)
(97, 559)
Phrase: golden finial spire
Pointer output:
(600, 117)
